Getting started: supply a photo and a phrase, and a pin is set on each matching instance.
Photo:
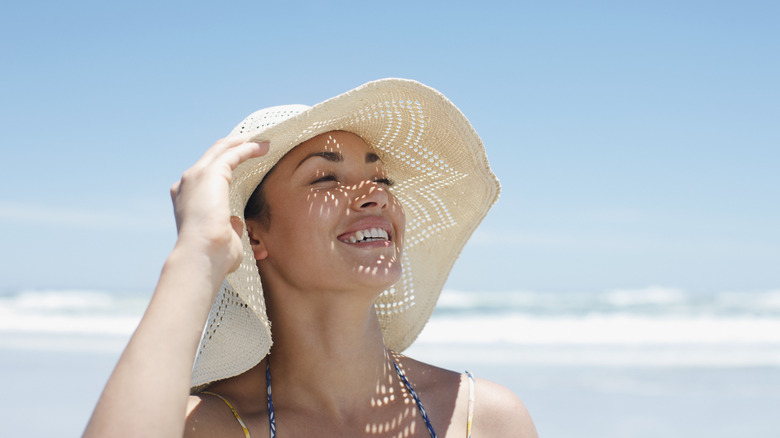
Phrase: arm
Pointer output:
(148, 391)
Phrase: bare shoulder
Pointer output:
(427, 377)
(210, 414)
(498, 412)
(207, 417)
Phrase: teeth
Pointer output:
(368, 235)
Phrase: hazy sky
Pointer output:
(638, 143)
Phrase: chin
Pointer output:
(380, 275)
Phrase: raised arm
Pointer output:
(146, 394)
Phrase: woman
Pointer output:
(298, 212)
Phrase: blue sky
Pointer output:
(637, 143)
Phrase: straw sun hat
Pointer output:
(443, 180)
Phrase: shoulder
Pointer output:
(202, 417)
(498, 412)
(428, 378)
(208, 416)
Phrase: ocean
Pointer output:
(626, 363)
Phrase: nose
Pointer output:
(369, 195)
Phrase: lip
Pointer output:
(366, 223)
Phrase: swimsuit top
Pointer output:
(272, 420)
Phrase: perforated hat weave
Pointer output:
(442, 179)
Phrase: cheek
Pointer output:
(398, 216)
(321, 205)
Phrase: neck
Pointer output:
(328, 352)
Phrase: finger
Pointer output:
(258, 139)
(221, 145)
(243, 152)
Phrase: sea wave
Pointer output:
(72, 301)
(71, 311)
(652, 300)
(650, 326)
(623, 329)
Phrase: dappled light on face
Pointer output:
(383, 266)
(374, 196)
(332, 144)
(387, 264)
(322, 204)
(333, 195)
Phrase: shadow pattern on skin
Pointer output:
(392, 411)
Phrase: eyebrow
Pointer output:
(336, 157)
(330, 156)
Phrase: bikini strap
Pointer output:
(470, 418)
(416, 399)
(272, 418)
(233, 410)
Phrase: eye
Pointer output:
(325, 178)
(386, 181)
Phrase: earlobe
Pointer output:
(258, 247)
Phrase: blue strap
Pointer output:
(272, 420)
(416, 399)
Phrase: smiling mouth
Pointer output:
(367, 235)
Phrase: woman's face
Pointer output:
(333, 223)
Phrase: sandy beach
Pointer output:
(691, 366)
(53, 393)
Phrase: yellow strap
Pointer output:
(233, 410)
(470, 418)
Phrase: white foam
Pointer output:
(64, 300)
(660, 355)
(654, 301)
(61, 324)
(601, 329)
(652, 327)
(654, 295)
(757, 302)
(70, 312)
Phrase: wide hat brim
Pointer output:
(442, 179)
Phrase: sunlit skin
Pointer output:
(319, 194)
(332, 374)
(320, 285)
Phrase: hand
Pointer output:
(200, 201)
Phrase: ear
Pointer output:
(256, 240)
